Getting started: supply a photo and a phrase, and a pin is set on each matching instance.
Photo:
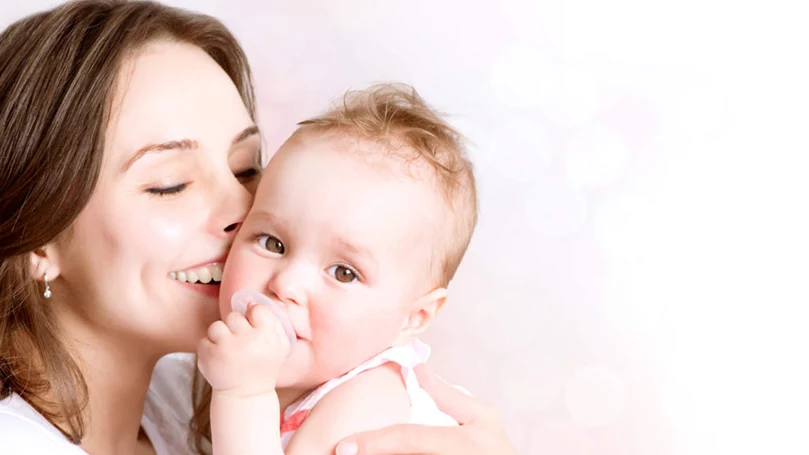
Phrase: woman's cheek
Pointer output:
(168, 231)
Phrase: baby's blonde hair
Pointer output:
(394, 115)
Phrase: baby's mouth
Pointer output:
(206, 274)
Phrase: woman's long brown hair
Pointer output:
(58, 69)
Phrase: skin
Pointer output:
(318, 240)
(339, 236)
(480, 431)
(115, 301)
(117, 306)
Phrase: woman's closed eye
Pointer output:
(247, 174)
(342, 273)
(271, 244)
(168, 190)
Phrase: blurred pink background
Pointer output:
(638, 281)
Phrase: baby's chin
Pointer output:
(295, 374)
(292, 385)
(289, 381)
(300, 374)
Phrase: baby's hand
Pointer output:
(242, 355)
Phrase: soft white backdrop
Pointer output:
(637, 281)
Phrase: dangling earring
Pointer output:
(47, 294)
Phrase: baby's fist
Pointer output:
(243, 354)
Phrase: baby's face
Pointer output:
(344, 242)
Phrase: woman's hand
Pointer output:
(480, 432)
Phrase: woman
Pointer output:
(128, 152)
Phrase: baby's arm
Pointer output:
(245, 424)
(241, 358)
(374, 399)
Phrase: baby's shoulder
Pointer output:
(375, 390)
(373, 399)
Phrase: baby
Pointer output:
(359, 223)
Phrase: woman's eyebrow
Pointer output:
(247, 132)
(182, 144)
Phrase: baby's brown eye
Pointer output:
(342, 273)
(271, 244)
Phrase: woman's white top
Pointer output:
(24, 431)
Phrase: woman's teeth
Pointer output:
(205, 275)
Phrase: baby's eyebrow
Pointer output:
(355, 249)
(261, 215)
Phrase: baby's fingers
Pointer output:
(218, 331)
(261, 317)
(237, 323)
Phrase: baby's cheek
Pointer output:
(344, 340)
(330, 344)
(241, 272)
(356, 336)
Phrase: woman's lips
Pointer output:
(209, 290)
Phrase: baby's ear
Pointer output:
(421, 315)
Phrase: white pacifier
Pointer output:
(244, 297)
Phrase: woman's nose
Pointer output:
(233, 207)
(232, 227)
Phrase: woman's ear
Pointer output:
(422, 313)
(44, 261)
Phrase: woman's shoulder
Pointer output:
(172, 377)
(168, 408)
(23, 430)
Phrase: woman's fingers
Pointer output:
(480, 432)
(405, 440)
(461, 407)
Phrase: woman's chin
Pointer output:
(187, 337)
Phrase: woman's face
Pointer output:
(180, 165)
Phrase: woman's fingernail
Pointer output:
(457, 387)
(462, 390)
(347, 448)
